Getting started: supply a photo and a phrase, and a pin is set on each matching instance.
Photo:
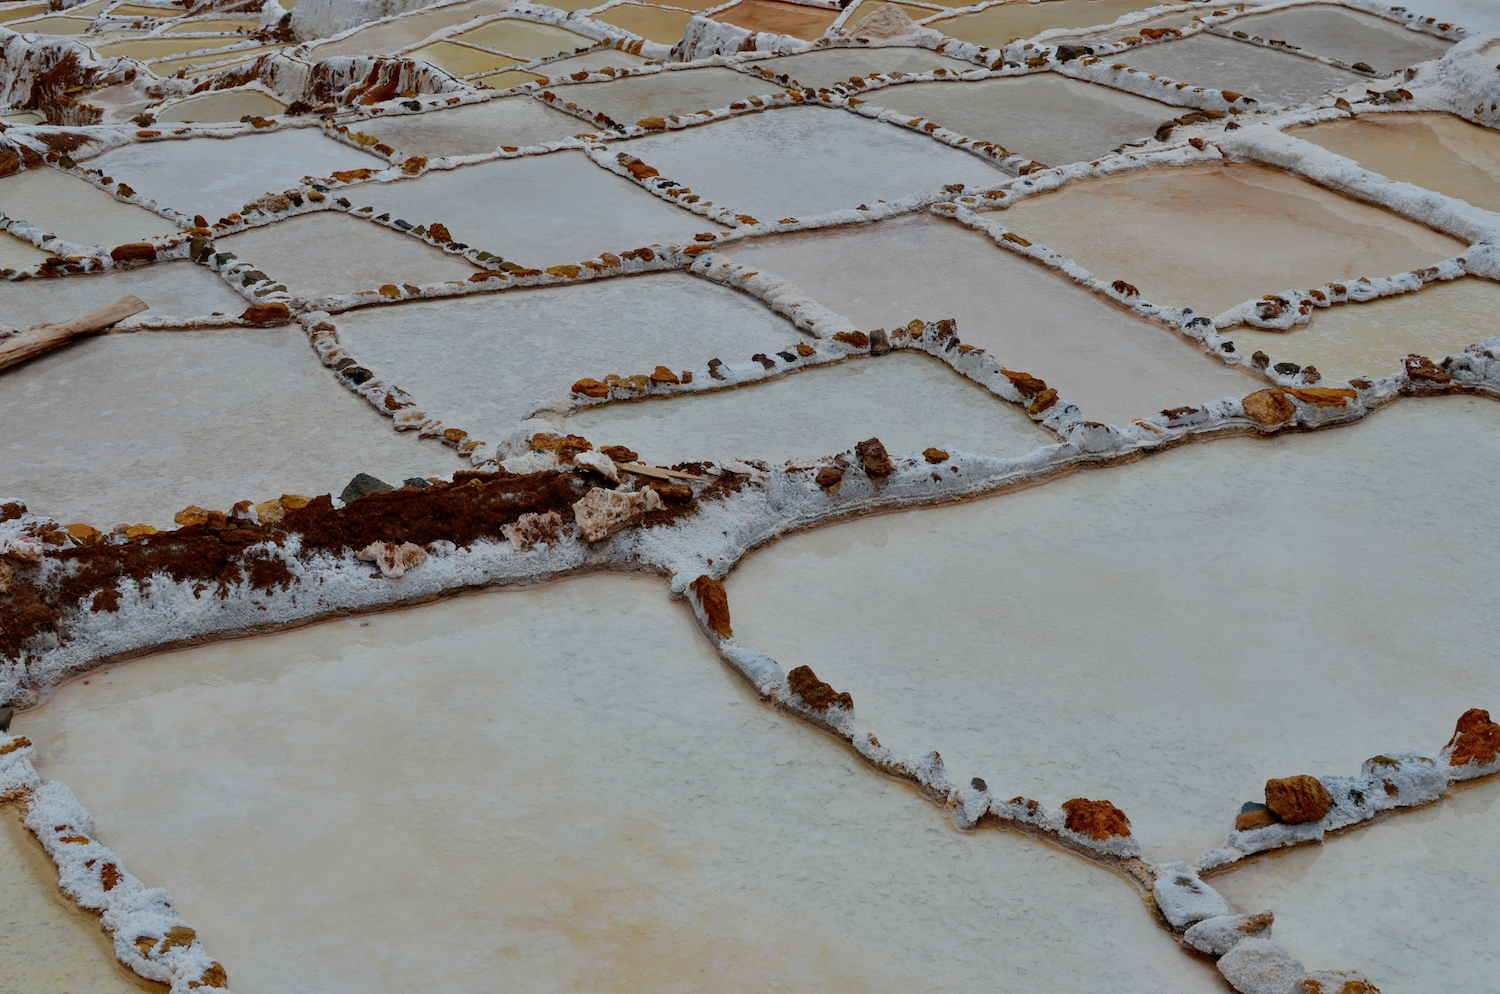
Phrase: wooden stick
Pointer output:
(657, 473)
(45, 337)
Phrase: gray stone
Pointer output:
(1185, 899)
(363, 485)
(1216, 936)
(880, 342)
(1260, 966)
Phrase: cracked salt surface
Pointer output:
(1169, 634)
(910, 402)
(1407, 898)
(1211, 237)
(485, 362)
(138, 426)
(471, 796)
(840, 161)
(536, 210)
(1114, 366)
(216, 177)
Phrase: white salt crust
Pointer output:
(1448, 86)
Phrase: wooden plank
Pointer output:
(657, 473)
(44, 337)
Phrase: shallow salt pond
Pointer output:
(482, 363)
(539, 211)
(1373, 338)
(134, 427)
(557, 789)
(1171, 633)
(155, 48)
(475, 128)
(217, 107)
(321, 254)
(592, 61)
(210, 63)
(840, 160)
(524, 39)
(772, 17)
(46, 942)
(74, 210)
(836, 65)
(170, 289)
(215, 177)
(1049, 118)
(908, 402)
(999, 25)
(1437, 151)
(1114, 366)
(18, 254)
(213, 24)
(666, 94)
(1347, 35)
(403, 32)
(1407, 899)
(1272, 77)
(653, 23)
(53, 26)
(1213, 237)
(460, 60)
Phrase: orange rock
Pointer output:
(1251, 820)
(139, 531)
(1324, 396)
(1475, 740)
(715, 604)
(214, 977)
(84, 534)
(439, 232)
(830, 478)
(270, 511)
(414, 165)
(391, 290)
(591, 388)
(273, 313)
(134, 252)
(1043, 401)
(568, 272)
(858, 339)
(566, 446)
(1015, 239)
(351, 175)
(1099, 820)
(189, 516)
(1298, 799)
(804, 350)
(651, 123)
(620, 453)
(934, 456)
(814, 692)
(294, 502)
(877, 461)
(1025, 382)
(1269, 407)
(1421, 368)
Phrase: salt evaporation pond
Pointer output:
(836, 65)
(666, 94)
(222, 107)
(484, 362)
(1437, 151)
(169, 290)
(404, 32)
(909, 402)
(135, 427)
(557, 789)
(1347, 35)
(1213, 237)
(593, 61)
(539, 211)
(315, 255)
(1004, 23)
(46, 942)
(774, 17)
(1168, 634)
(74, 210)
(475, 128)
(215, 178)
(1049, 118)
(1114, 366)
(18, 254)
(1272, 77)
(654, 23)
(459, 60)
(1373, 338)
(840, 161)
(524, 39)
(1408, 898)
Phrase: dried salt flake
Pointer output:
(601, 512)
(394, 560)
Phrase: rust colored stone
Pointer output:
(134, 252)
(214, 976)
(1324, 396)
(829, 477)
(1476, 739)
(414, 165)
(664, 375)
(566, 446)
(109, 876)
(439, 233)
(353, 175)
(1298, 799)
(1029, 385)
(272, 313)
(804, 350)
(620, 453)
(191, 515)
(568, 272)
(1270, 406)
(934, 456)
(1251, 820)
(877, 461)
(814, 692)
(1043, 401)
(651, 124)
(715, 603)
(19, 742)
(1125, 289)
(858, 339)
(1015, 239)
(84, 534)
(1420, 369)
(1099, 820)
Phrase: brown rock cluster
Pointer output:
(814, 692)
(715, 603)
(1298, 799)
(1099, 820)
(876, 460)
(1475, 740)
